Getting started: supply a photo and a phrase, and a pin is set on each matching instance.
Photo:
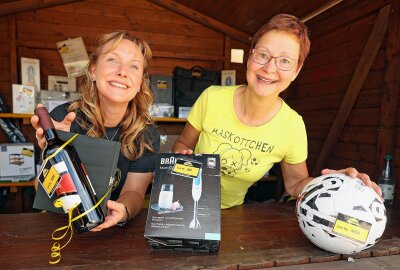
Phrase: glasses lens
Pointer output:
(285, 63)
(260, 57)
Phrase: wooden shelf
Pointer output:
(15, 115)
(28, 116)
(169, 119)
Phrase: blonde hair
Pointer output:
(136, 118)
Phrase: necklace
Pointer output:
(115, 133)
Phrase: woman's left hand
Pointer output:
(116, 213)
(353, 173)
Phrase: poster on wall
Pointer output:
(30, 72)
(228, 77)
(74, 55)
(62, 84)
(23, 99)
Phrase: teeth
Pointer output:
(120, 85)
(265, 80)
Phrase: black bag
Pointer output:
(190, 83)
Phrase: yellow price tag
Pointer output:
(186, 170)
(351, 228)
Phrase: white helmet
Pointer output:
(340, 214)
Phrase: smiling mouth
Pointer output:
(119, 85)
(266, 80)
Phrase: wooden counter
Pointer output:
(253, 236)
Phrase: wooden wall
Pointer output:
(175, 40)
(338, 38)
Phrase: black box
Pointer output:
(173, 220)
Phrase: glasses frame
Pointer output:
(275, 60)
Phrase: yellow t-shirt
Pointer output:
(246, 152)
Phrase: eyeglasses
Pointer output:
(283, 63)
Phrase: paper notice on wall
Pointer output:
(74, 55)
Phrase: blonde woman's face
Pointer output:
(118, 73)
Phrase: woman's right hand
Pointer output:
(64, 125)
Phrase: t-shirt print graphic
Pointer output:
(232, 159)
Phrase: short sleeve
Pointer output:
(297, 150)
(198, 111)
(147, 162)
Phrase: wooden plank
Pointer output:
(28, 5)
(360, 74)
(12, 30)
(227, 52)
(391, 89)
(203, 19)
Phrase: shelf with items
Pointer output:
(26, 118)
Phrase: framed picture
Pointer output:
(63, 84)
(228, 77)
(30, 72)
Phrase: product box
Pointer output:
(17, 159)
(51, 99)
(157, 110)
(185, 202)
(161, 85)
(183, 112)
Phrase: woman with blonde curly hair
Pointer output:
(115, 105)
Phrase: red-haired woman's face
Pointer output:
(267, 79)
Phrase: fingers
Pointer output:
(39, 131)
(185, 152)
(116, 214)
(69, 118)
(352, 172)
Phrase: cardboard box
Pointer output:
(183, 112)
(161, 85)
(17, 159)
(185, 202)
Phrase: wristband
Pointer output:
(122, 223)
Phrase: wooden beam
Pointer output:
(321, 9)
(203, 19)
(29, 5)
(360, 74)
(12, 30)
(391, 89)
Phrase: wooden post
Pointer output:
(391, 88)
(12, 30)
(227, 52)
(360, 74)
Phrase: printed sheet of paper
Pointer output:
(74, 55)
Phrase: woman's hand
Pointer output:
(353, 173)
(64, 125)
(116, 213)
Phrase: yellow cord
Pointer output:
(56, 247)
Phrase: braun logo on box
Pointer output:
(168, 161)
